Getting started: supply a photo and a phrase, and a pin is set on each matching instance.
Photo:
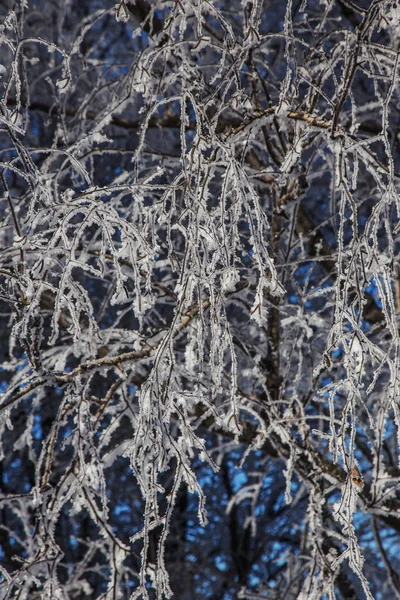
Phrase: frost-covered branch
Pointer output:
(199, 299)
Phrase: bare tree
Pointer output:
(200, 299)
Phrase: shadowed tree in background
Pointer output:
(199, 298)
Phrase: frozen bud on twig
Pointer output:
(356, 477)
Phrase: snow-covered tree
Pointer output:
(200, 298)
